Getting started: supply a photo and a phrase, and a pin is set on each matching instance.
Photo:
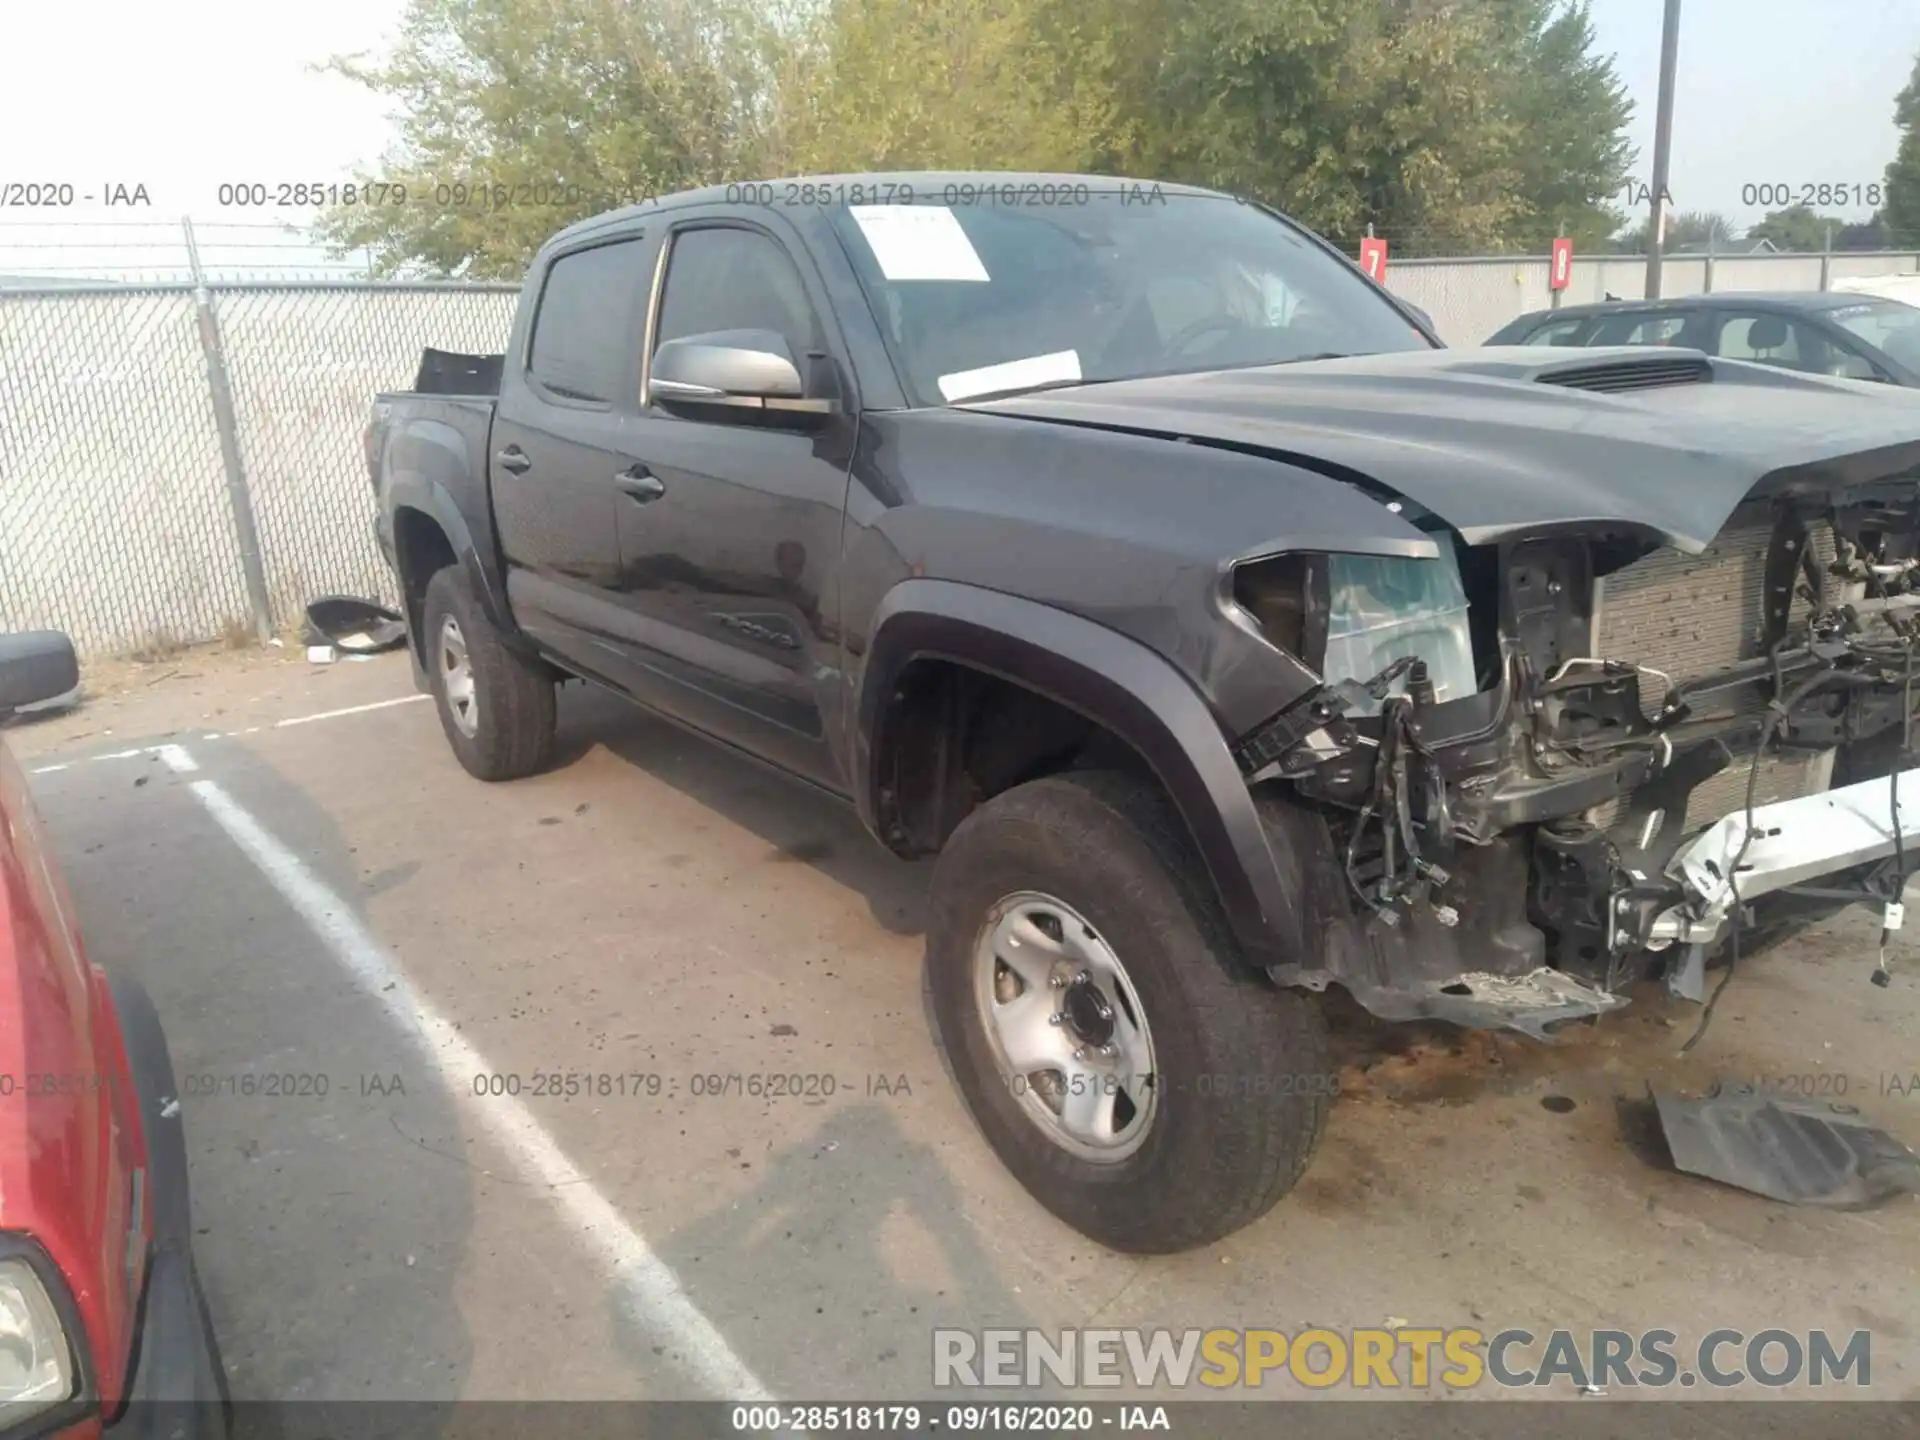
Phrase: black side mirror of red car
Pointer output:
(35, 665)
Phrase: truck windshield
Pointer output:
(994, 294)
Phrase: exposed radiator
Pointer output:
(1688, 615)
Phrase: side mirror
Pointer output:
(35, 665)
(732, 369)
(1421, 315)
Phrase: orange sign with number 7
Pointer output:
(1373, 257)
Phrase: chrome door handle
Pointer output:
(640, 484)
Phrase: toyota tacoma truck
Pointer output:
(1224, 635)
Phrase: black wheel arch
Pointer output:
(430, 532)
(1121, 686)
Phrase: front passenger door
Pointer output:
(728, 557)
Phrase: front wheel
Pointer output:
(496, 705)
(1136, 1076)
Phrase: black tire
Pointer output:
(513, 695)
(1244, 1078)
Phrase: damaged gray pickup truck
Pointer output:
(1224, 636)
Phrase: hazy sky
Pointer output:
(1781, 92)
(184, 96)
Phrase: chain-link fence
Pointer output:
(117, 519)
(119, 490)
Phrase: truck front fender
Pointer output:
(1116, 683)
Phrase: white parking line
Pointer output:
(349, 710)
(140, 750)
(651, 1289)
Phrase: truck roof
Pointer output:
(921, 182)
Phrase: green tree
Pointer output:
(1686, 230)
(519, 116)
(1797, 228)
(1478, 125)
(1873, 234)
(877, 85)
(1571, 111)
(1902, 211)
(1464, 125)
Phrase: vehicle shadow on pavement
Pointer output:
(856, 1243)
(330, 1244)
(801, 823)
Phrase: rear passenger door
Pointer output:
(558, 450)
(729, 562)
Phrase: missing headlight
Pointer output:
(1287, 597)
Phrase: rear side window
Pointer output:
(586, 329)
(1557, 332)
(1641, 329)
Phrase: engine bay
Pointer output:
(1535, 769)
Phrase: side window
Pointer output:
(1558, 332)
(726, 279)
(1662, 328)
(586, 327)
(1657, 330)
(1771, 340)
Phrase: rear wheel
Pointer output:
(496, 705)
(1137, 1077)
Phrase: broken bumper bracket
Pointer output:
(1792, 842)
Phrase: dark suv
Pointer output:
(1855, 337)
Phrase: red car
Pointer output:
(103, 1326)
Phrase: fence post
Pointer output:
(245, 531)
(1553, 295)
(1712, 245)
(1826, 257)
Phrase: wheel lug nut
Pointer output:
(1109, 1050)
(1080, 1053)
(1058, 982)
(1083, 977)
(1059, 1017)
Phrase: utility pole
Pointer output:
(1662, 145)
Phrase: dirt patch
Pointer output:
(203, 687)
(1619, 1056)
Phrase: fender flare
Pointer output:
(1117, 683)
(432, 499)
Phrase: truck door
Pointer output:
(730, 542)
(569, 388)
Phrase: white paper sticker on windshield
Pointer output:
(918, 242)
(1013, 375)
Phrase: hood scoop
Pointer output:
(1615, 376)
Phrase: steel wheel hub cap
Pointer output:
(456, 678)
(1066, 1027)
